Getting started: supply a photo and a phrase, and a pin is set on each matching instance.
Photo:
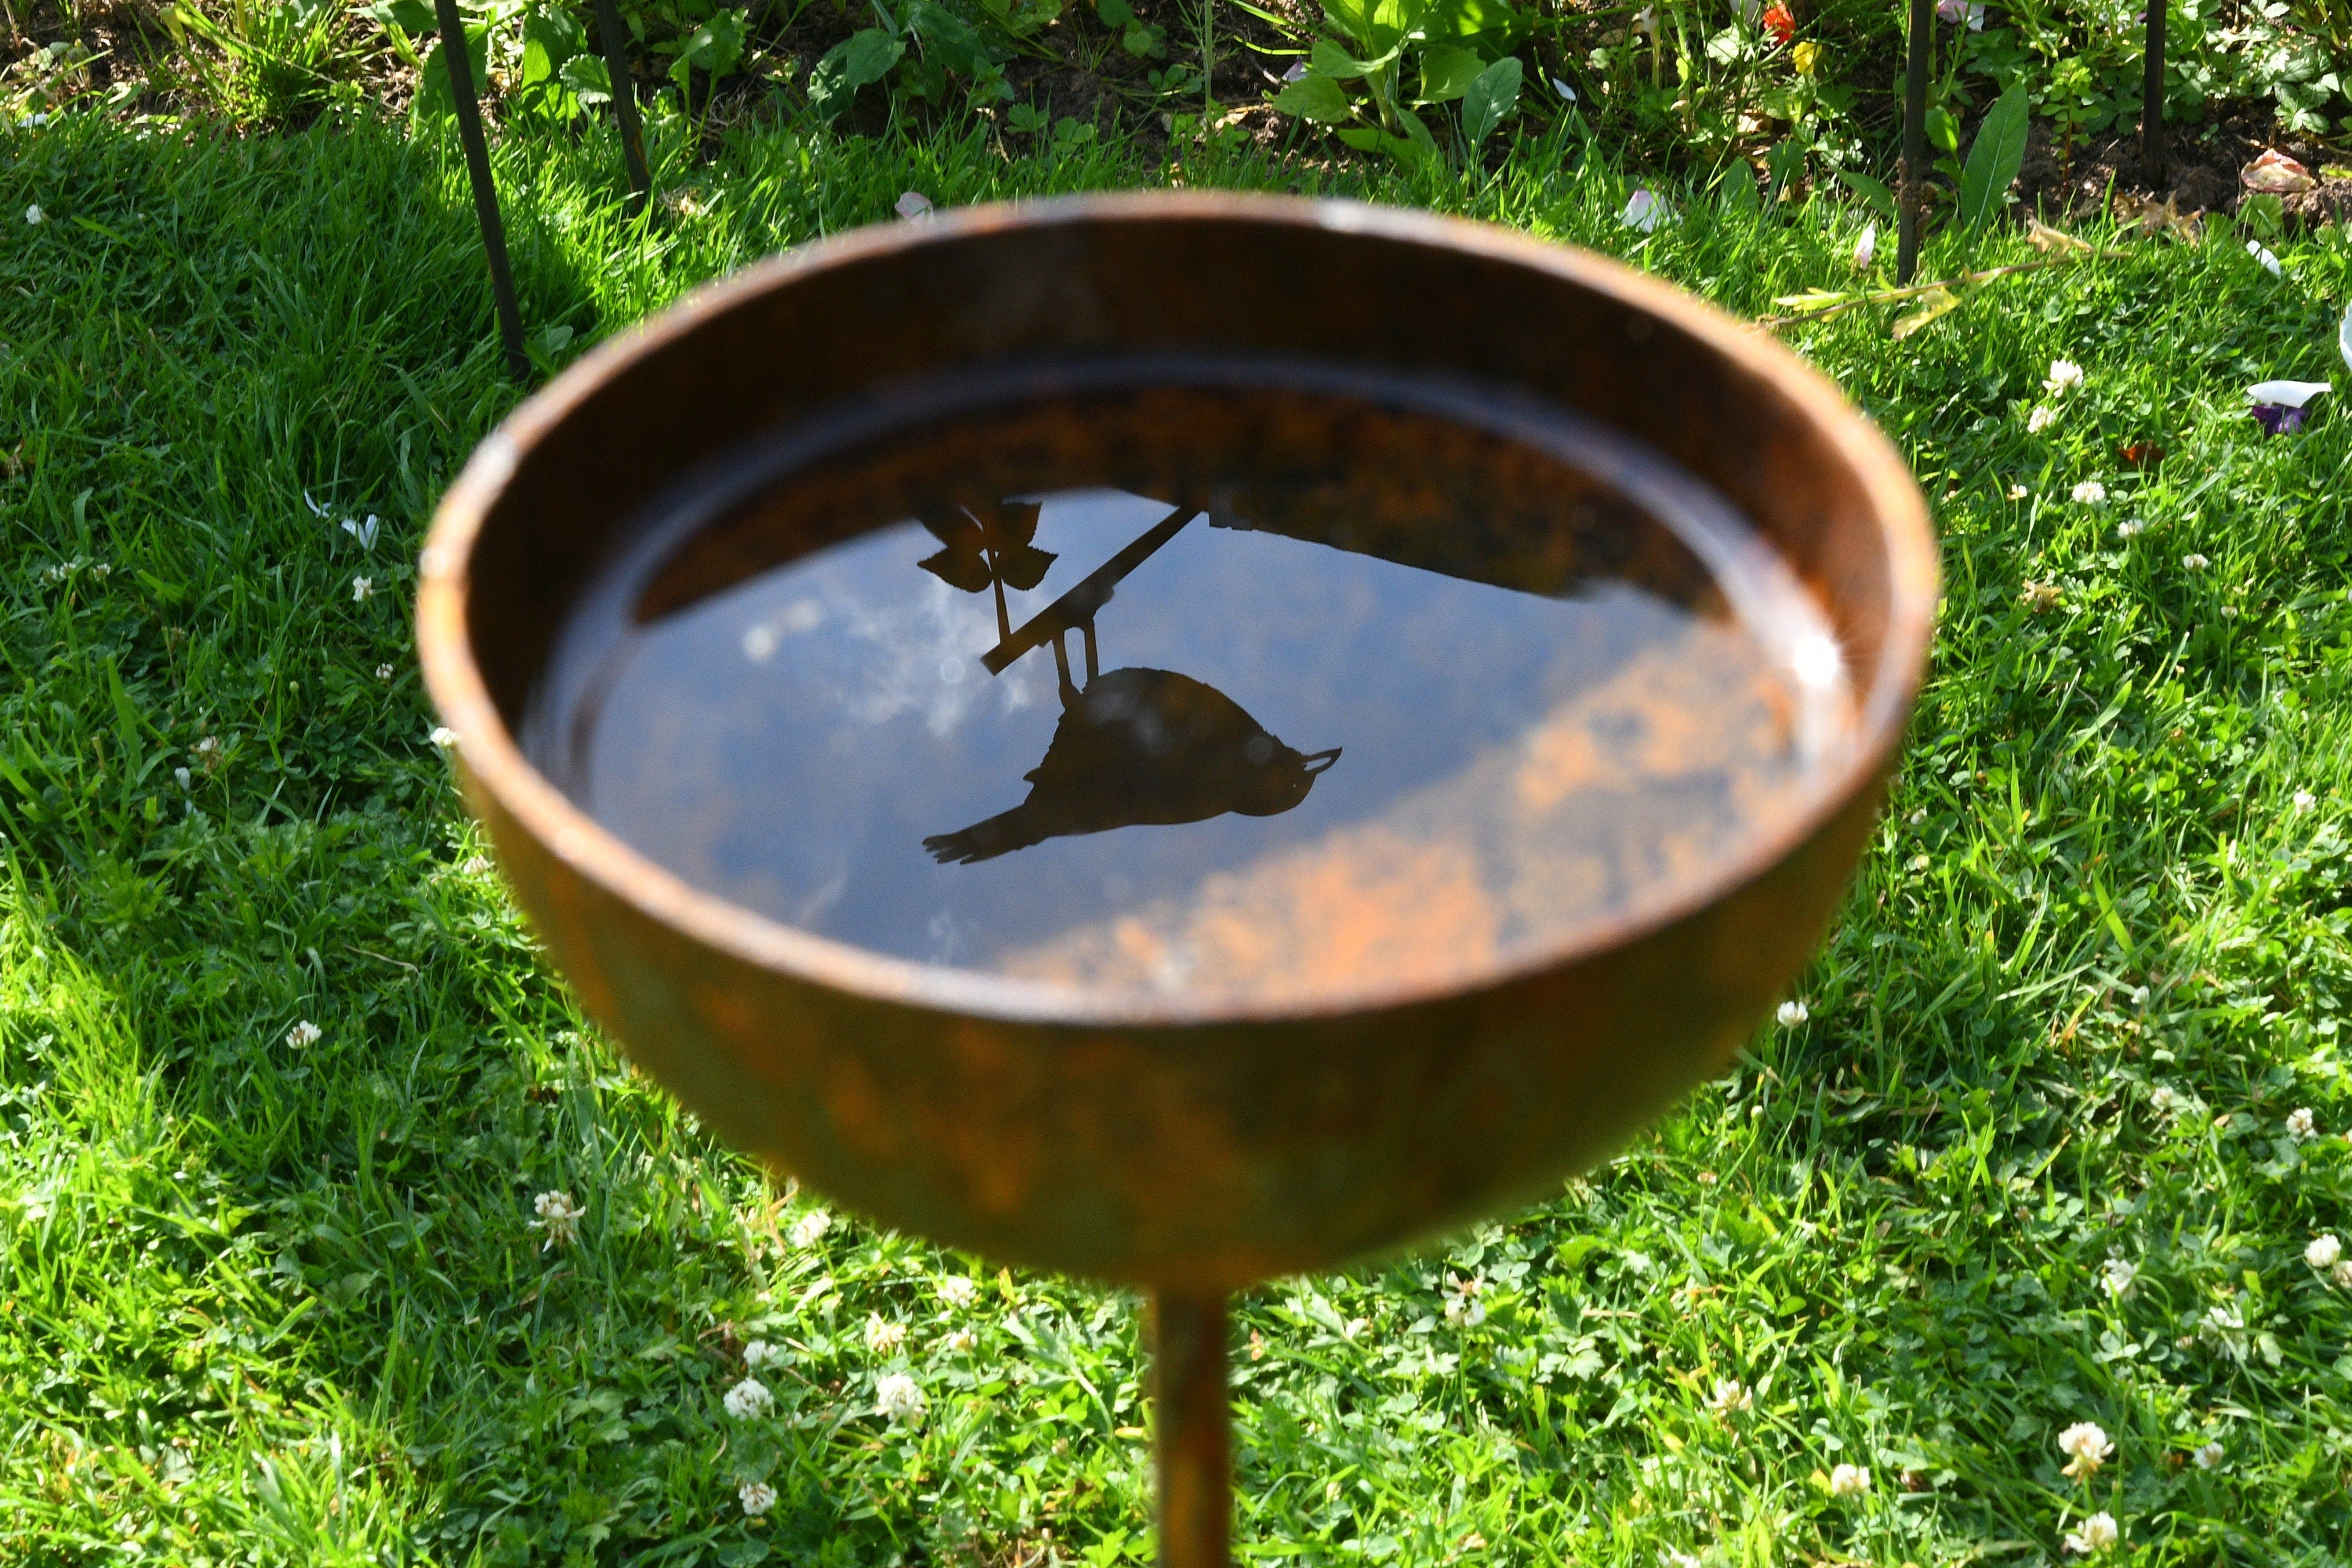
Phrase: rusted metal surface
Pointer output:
(1191, 1439)
(1192, 1145)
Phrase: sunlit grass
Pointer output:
(263, 1300)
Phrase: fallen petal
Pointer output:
(913, 205)
(2263, 254)
(1562, 89)
(2286, 394)
(1644, 211)
(2275, 171)
(2344, 336)
(1296, 73)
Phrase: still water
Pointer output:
(1209, 678)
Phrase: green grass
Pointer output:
(271, 1302)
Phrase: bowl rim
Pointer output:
(489, 752)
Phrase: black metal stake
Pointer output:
(1910, 186)
(614, 38)
(2151, 114)
(486, 195)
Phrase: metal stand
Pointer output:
(613, 37)
(486, 195)
(1909, 184)
(1193, 1416)
(2151, 113)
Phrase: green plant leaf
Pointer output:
(588, 80)
(1737, 196)
(1874, 192)
(1114, 14)
(1994, 159)
(863, 57)
(1337, 63)
(408, 15)
(1447, 72)
(946, 38)
(1314, 97)
(433, 100)
(1489, 99)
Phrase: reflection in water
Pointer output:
(1567, 682)
(1143, 746)
(1135, 746)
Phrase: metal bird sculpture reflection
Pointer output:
(1143, 746)
(1134, 746)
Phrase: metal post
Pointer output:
(1187, 1385)
(2151, 113)
(1910, 186)
(614, 38)
(486, 195)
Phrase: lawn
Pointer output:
(281, 1077)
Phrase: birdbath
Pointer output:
(1466, 674)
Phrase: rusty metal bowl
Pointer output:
(1192, 1145)
(1195, 1147)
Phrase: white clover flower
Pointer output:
(748, 1400)
(2064, 375)
(34, 214)
(2207, 1455)
(558, 1215)
(759, 1355)
(2018, 492)
(303, 1034)
(1791, 1013)
(2131, 527)
(475, 866)
(2341, 1275)
(2195, 562)
(383, 672)
(2090, 492)
(882, 1336)
(960, 1342)
(208, 752)
(2085, 1445)
(1463, 1308)
(957, 1289)
(443, 736)
(1850, 1480)
(2168, 1101)
(2041, 419)
(2325, 1252)
(2116, 1274)
(1731, 1396)
(807, 1229)
(2303, 801)
(2097, 1534)
(363, 588)
(899, 1397)
(2300, 1125)
(757, 1497)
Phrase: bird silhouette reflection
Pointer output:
(1143, 746)
(1133, 746)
